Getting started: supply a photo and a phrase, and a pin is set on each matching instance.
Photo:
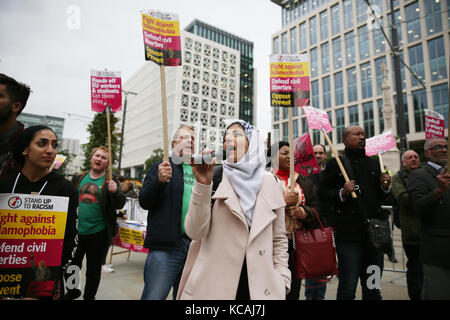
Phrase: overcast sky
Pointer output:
(39, 48)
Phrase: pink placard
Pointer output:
(434, 124)
(305, 162)
(106, 90)
(317, 119)
(381, 143)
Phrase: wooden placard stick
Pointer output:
(164, 114)
(338, 160)
(108, 128)
(381, 162)
(291, 150)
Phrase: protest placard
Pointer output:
(380, 143)
(58, 162)
(162, 41)
(317, 119)
(304, 159)
(130, 235)
(434, 124)
(106, 90)
(289, 80)
(32, 229)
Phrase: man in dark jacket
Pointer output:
(350, 215)
(410, 223)
(429, 190)
(13, 98)
(99, 198)
(166, 194)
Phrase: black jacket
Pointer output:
(349, 217)
(56, 186)
(164, 203)
(110, 202)
(434, 215)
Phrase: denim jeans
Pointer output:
(162, 271)
(315, 290)
(353, 261)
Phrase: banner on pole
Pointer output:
(32, 229)
(289, 80)
(305, 161)
(106, 90)
(162, 41)
(434, 124)
(380, 143)
(317, 119)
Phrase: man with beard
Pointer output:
(429, 190)
(355, 254)
(13, 98)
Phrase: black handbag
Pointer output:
(378, 233)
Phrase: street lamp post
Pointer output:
(123, 125)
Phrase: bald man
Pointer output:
(410, 223)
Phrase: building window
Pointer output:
(315, 94)
(440, 100)
(369, 124)
(304, 125)
(276, 133)
(276, 113)
(350, 47)
(326, 92)
(412, 12)
(416, 63)
(366, 80)
(303, 36)
(338, 89)
(313, 31)
(348, 14)
(378, 38)
(314, 63)
(420, 104)
(285, 131)
(379, 74)
(295, 128)
(380, 114)
(363, 40)
(433, 14)
(340, 124)
(276, 45)
(352, 85)
(293, 34)
(353, 116)
(284, 43)
(335, 19)
(436, 52)
(325, 57)
(324, 25)
(337, 53)
(361, 7)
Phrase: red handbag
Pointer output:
(314, 253)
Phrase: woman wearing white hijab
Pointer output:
(239, 248)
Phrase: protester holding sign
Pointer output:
(99, 198)
(35, 150)
(355, 252)
(299, 203)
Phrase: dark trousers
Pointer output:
(414, 271)
(294, 294)
(243, 291)
(436, 283)
(354, 260)
(93, 246)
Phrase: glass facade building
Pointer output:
(56, 123)
(347, 50)
(245, 47)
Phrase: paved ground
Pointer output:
(126, 283)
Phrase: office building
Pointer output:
(55, 123)
(348, 53)
(247, 100)
(202, 92)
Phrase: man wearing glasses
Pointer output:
(430, 195)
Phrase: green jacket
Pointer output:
(109, 203)
(409, 220)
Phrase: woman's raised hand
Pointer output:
(204, 172)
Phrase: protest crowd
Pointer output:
(233, 227)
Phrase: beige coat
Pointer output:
(221, 241)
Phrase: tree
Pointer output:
(157, 156)
(99, 137)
